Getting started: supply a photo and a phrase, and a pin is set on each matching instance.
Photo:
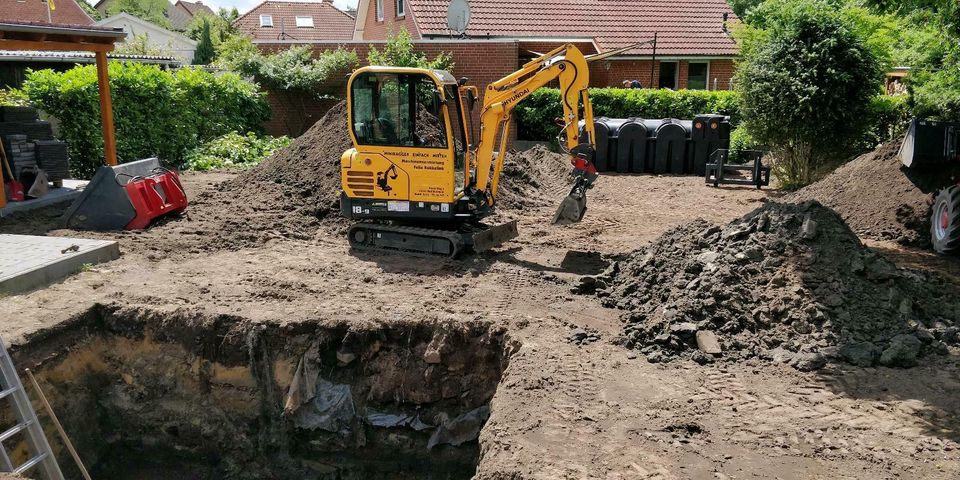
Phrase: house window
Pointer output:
(266, 20)
(697, 74)
(401, 5)
(304, 22)
(379, 10)
(668, 75)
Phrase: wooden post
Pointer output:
(106, 110)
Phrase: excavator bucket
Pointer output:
(126, 196)
(495, 236)
(572, 207)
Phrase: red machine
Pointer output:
(127, 196)
(153, 196)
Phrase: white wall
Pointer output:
(181, 46)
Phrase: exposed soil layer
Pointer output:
(221, 397)
(879, 198)
(786, 282)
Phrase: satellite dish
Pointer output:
(458, 16)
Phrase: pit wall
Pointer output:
(211, 396)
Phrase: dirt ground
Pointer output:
(562, 410)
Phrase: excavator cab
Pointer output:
(409, 155)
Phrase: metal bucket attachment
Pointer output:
(104, 203)
(572, 207)
(495, 236)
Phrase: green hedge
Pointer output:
(156, 112)
(535, 115)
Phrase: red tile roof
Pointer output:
(67, 12)
(684, 27)
(196, 7)
(329, 22)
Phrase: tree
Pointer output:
(399, 52)
(93, 12)
(154, 11)
(742, 7)
(221, 25)
(805, 81)
(204, 53)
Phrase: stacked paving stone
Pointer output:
(20, 152)
(29, 143)
(52, 158)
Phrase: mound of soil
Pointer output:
(533, 178)
(307, 172)
(879, 198)
(786, 282)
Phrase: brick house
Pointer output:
(296, 21)
(694, 48)
(67, 12)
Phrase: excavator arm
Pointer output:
(568, 66)
(565, 64)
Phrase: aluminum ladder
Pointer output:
(42, 455)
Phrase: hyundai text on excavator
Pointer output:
(415, 178)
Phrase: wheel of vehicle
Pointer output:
(945, 221)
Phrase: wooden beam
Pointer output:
(106, 110)
(10, 44)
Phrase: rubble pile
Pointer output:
(787, 282)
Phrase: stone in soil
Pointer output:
(787, 282)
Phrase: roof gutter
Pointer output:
(114, 33)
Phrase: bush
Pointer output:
(292, 70)
(156, 112)
(535, 115)
(399, 52)
(14, 98)
(234, 150)
(806, 82)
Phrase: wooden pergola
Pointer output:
(71, 38)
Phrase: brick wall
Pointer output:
(612, 73)
(480, 62)
(379, 30)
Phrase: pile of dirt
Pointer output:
(786, 282)
(305, 176)
(533, 178)
(879, 198)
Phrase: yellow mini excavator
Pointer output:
(417, 180)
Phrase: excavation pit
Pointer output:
(184, 395)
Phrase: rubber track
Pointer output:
(453, 237)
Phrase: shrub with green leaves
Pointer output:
(14, 98)
(156, 112)
(292, 70)
(806, 81)
(234, 150)
(399, 52)
(536, 113)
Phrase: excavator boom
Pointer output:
(567, 65)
